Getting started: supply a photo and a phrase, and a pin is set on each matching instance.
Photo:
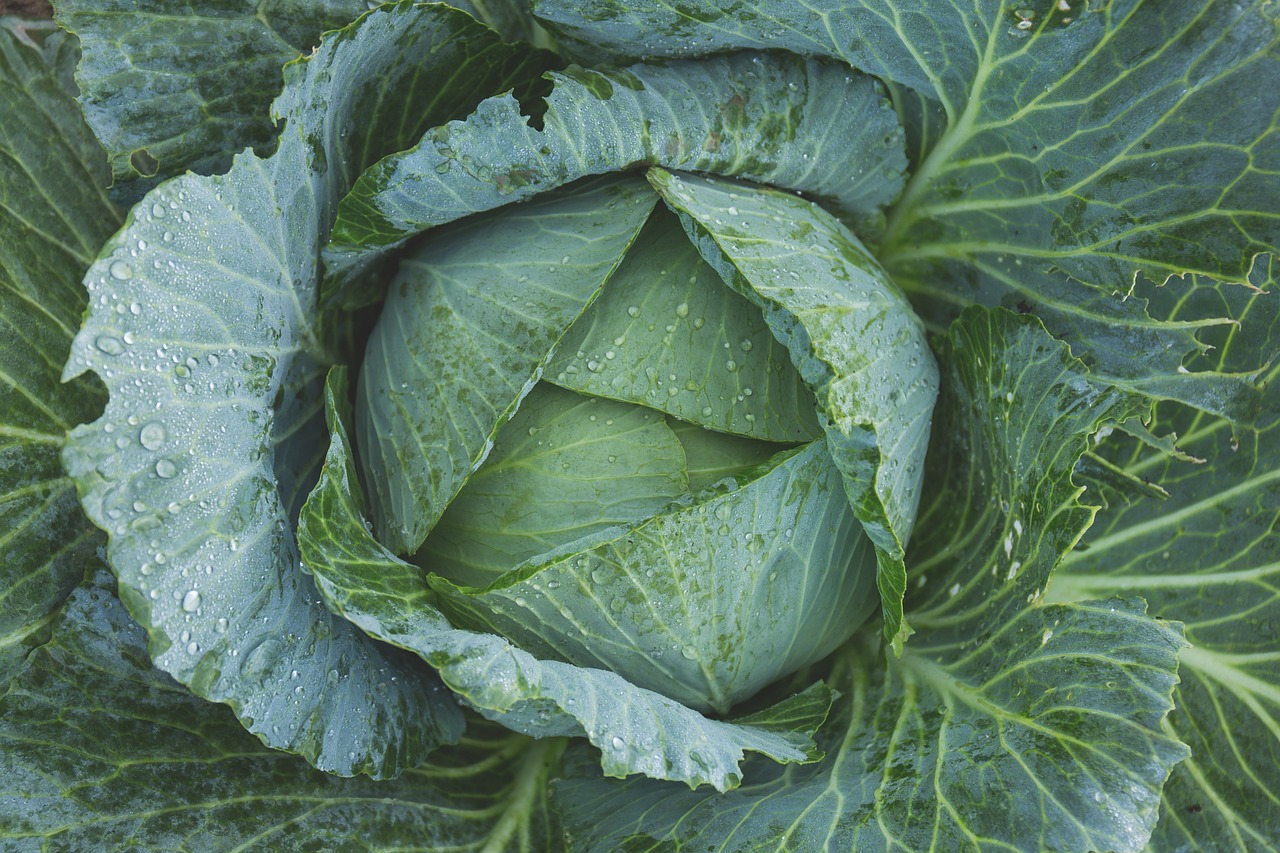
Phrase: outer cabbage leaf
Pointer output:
(170, 89)
(203, 323)
(852, 336)
(53, 216)
(1083, 141)
(800, 124)
(1210, 556)
(636, 731)
(1007, 724)
(100, 751)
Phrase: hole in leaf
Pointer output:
(143, 163)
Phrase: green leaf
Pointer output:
(170, 88)
(1006, 723)
(203, 323)
(1081, 145)
(469, 324)
(712, 456)
(706, 602)
(636, 731)
(851, 335)
(800, 124)
(53, 216)
(667, 333)
(564, 467)
(100, 751)
(1210, 556)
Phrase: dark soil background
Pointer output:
(26, 8)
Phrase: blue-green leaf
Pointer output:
(804, 125)
(169, 89)
(203, 323)
(707, 601)
(564, 467)
(667, 333)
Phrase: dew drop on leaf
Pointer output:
(152, 436)
(109, 345)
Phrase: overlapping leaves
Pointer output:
(168, 91)
(203, 323)
(1209, 555)
(1006, 723)
(1082, 142)
(98, 750)
(637, 731)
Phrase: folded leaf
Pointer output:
(852, 336)
(471, 320)
(666, 333)
(708, 601)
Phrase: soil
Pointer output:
(26, 8)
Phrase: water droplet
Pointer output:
(617, 742)
(682, 310)
(152, 436)
(633, 311)
(221, 625)
(120, 270)
(192, 648)
(191, 601)
(109, 345)
(165, 469)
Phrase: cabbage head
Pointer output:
(640, 426)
